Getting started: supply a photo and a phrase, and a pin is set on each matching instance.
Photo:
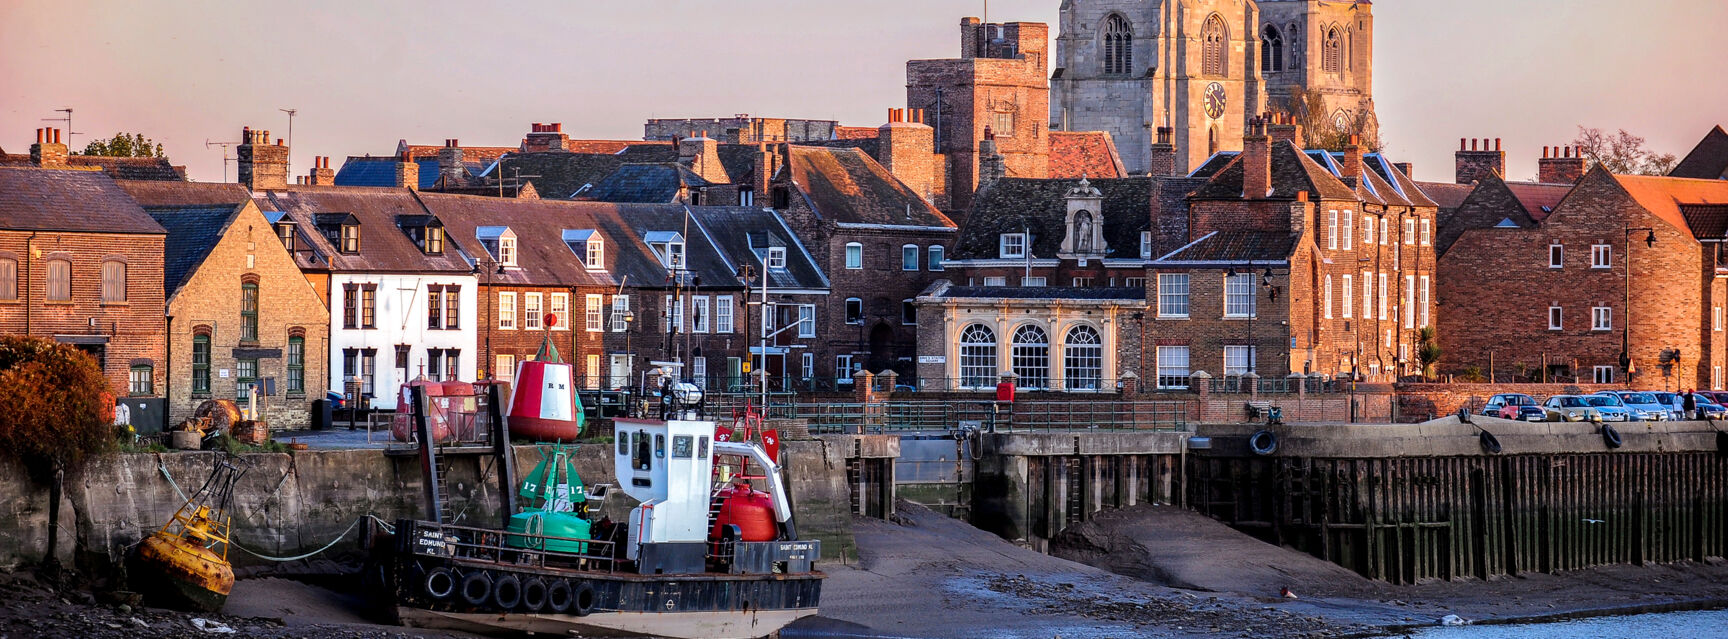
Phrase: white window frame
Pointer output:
(1602, 374)
(806, 320)
(1162, 362)
(1367, 230)
(1409, 301)
(808, 364)
(1011, 246)
(1383, 292)
(1410, 231)
(558, 304)
(1385, 231)
(1242, 352)
(591, 371)
(1168, 298)
(854, 256)
(1423, 304)
(507, 250)
(723, 322)
(843, 369)
(1332, 230)
(1145, 245)
(1602, 256)
(504, 368)
(700, 322)
(910, 251)
(506, 311)
(1349, 296)
(594, 312)
(1240, 280)
(1602, 318)
(1328, 288)
(596, 254)
(1427, 233)
(1033, 280)
(1556, 256)
(673, 314)
(1715, 318)
(776, 257)
(1367, 295)
(935, 257)
(1716, 378)
(620, 308)
(532, 305)
(1348, 232)
(1556, 318)
(997, 280)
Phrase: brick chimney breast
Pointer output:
(1162, 158)
(1256, 161)
(1481, 158)
(1560, 165)
(262, 166)
(48, 152)
(907, 149)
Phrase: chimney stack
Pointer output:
(48, 152)
(992, 165)
(546, 137)
(407, 172)
(321, 174)
(1406, 168)
(1256, 161)
(1353, 157)
(702, 155)
(1560, 165)
(450, 163)
(767, 162)
(262, 165)
(907, 148)
(1479, 160)
(1162, 158)
(1285, 129)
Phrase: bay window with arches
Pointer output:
(1082, 359)
(977, 357)
(1030, 357)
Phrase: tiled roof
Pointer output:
(646, 184)
(870, 145)
(542, 256)
(150, 193)
(703, 259)
(1538, 199)
(1446, 195)
(1406, 187)
(1708, 221)
(742, 234)
(381, 171)
(1662, 196)
(1233, 246)
(470, 154)
(1041, 206)
(384, 247)
(1122, 293)
(68, 200)
(1214, 164)
(1708, 160)
(847, 185)
(193, 232)
(606, 146)
(856, 132)
(1084, 154)
(119, 168)
(1292, 171)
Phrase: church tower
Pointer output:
(1201, 68)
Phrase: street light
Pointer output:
(1626, 331)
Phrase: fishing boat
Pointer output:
(711, 550)
(184, 565)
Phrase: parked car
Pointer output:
(1610, 407)
(1712, 410)
(1643, 405)
(1571, 408)
(1715, 397)
(1514, 406)
(1676, 406)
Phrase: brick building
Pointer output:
(81, 263)
(1549, 296)
(741, 129)
(241, 317)
(119, 168)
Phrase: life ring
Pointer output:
(477, 588)
(439, 584)
(582, 600)
(558, 596)
(1263, 442)
(1611, 437)
(507, 592)
(534, 594)
(1490, 443)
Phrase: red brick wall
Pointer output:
(1446, 399)
(135, 329)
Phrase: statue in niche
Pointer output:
(1083, 232)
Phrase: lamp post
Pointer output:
(1626, 331)
(486, 292)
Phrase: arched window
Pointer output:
(1271, 50)
(1328, 296)
(1213, 42)
(1212, 141)
(1031, 356)
(249, 311)
(1329, 54)
(977, 357)
(1083, 359)
(113, 281)
(854, 255)
(1293, 33)
(935, 257)
(1118, 46)
(59, 280)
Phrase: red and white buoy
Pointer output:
(543, 403)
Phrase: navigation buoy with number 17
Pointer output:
(543, 402)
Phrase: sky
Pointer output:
(362, 74)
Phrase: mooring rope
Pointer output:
(381, 523)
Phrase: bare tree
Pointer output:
(1622, 153)
(1324, 130)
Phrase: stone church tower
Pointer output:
(1204, 67)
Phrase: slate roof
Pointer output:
(150, 193)
(1048, 292)
(119, 168)
(702, 258)
(564, 174)
(470, 154)
(742, 233)
(1041, 206)
(1292, 171)
(1708, 160)
(646, 184)
(1076, 154)
(1223, 247)
(381, 171)
(1214, 164)
(384, 247)
(78, 201)
(542, 257)
(848, 186)
(193, 232)
(871, 145)
(1446, 195)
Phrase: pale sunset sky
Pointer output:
(365, 73)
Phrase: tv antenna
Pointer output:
(68, 121)
(225, 158)
(290, 113)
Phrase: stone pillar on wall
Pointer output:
(1130, 386)
(864, 391)
(1200, 383)
(1252, 380)
(1300, 381)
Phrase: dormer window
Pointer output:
(426, 232)
(434, 240)
(588, 247)
(776, 257)
(669, 247)
(1012, 245)
(285, 231)
(341, 229)
(500, 242)
(350, 238)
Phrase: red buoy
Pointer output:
(750, 510)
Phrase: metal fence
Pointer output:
(1238, 384)
(900, 416)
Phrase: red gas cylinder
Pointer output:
(750, 510)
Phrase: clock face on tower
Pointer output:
(1214, 99)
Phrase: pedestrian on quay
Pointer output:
(1689, 404)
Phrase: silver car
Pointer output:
(1571, 408)
(1610, 408)
(1676, 406)
(1643, 406)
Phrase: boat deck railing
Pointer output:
(515, 549)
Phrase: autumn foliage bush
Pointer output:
(55, 410)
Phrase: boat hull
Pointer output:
(729, 624)
(173, 573)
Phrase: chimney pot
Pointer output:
(1460, 144)
(56, 136)
(1496, 144)
(1301, 196)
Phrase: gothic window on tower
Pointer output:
(1271, 50)
(1004, 124)
(1329, 55)
(1118, 46)
(1213, 41)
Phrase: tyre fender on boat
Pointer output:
(582, 599)
(477, 588)
(534, 594)
(1263, 442)
(439, 584)
(507, 592)
(558, 596)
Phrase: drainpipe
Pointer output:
(29, 279)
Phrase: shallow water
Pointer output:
(1698, 624)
